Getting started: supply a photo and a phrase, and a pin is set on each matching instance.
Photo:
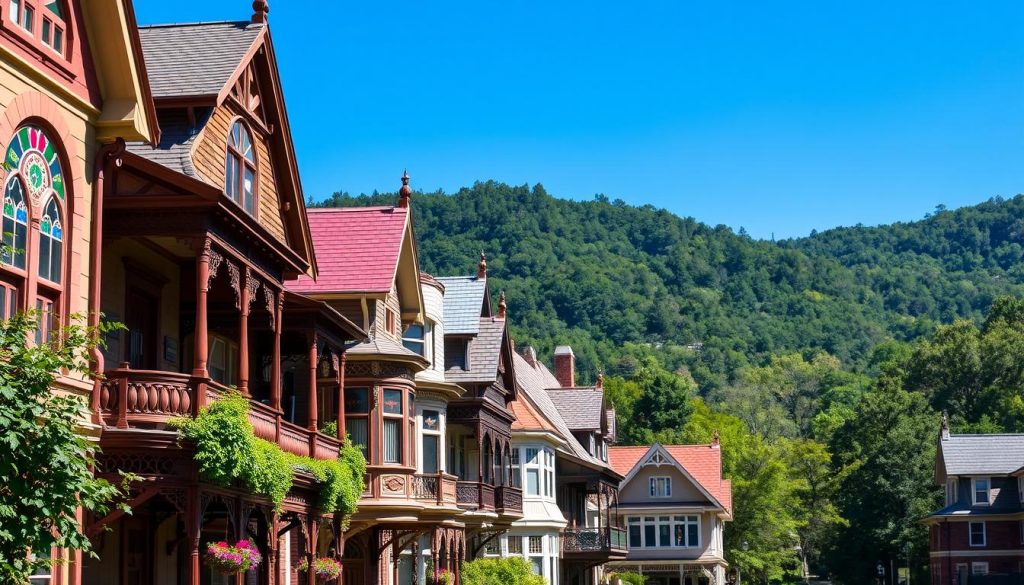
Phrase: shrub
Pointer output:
(630, 578)
(508, 571)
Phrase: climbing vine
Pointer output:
(228, 452)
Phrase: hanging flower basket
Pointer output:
(233, 559)
(325, 569)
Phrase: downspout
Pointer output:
(108, 156)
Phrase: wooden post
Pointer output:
(275, 365)
(243, 334)
(312, 381)
(202, 288)
(193, 524)
(341, 398)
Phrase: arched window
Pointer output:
(15, 224)
(240, 180)
(33, 228)
(51, 241)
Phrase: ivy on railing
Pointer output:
(228, 452)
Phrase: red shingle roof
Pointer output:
(357, 249)
(702, 462)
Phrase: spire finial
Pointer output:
(600, 379)
(944, 430)
(715, 439)
(260, 8)
(502, 307)
(406, 191)
(481, 268)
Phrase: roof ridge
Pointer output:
(350, 209)
(198, 23)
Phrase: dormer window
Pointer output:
(661, 487)
(240, 172)
(981, 491)
(49, 25)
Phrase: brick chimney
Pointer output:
(565, 366)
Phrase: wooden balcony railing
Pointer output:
(594, 540)
(438, 488)
(149, 399)
(509, 500)
(475, 495)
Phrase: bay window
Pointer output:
(539, 468)
(357, 417)
(392, 425)
(431, 430)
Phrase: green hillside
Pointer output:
(602, 275)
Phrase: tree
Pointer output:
(505, 571)
(46, 470)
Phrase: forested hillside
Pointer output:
(601, 274)
(822, 362)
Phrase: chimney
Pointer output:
(944, 432)
(530, 355)
(715, 441)
(600, 380)
(481, 268)
(405, 192)
(260, 8)
(565, 366)
(502, 307)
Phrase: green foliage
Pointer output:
(653, 404)
(46, 469)
(504, 571)
(630, 578)
(330, 429)
(228, 452)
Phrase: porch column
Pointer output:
(202, 288)
(312, 381)
(341, 397)
(275, 364)
(243, 334)
(193, 524)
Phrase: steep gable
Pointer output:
(701, 465)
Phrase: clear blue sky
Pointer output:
(779, 117)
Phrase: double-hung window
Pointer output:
(981, 491)
(977, 533)
(661, 487)
(517, 469)
(431, 430)
(392, 404)
(663, 531)
(357, 416)
(532, 471)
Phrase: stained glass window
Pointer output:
(15, 224)
(51, 238)
(392, 402)
(34, 157)
(240, 169)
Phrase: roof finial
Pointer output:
(600, 380)
(260, 8)
(502, 307)
(481, 268)
(715, 440)
(405, 192)
(944, 431)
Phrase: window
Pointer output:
(977, 533)
(517, 470)
(50, 23)
(415, 337)
(8, 300)
(979, 568)
(42, 575)
(53, 26)
(389, 321)
(240, 174)
(51, 238)
(456, 354)
(536, 545)
(515, 545)
(431, 429)
(357, 409)
(15, 225)
(539, 467)
(663, 531)
(536, 553)
(1020, 489)
(661, 487)
(981, 490)
(392, 409)
(951, 489)
(223, 360)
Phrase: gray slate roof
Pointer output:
(996, 454)
(580, 407)
(533, 381)
(194, 59)
(176, 140)
(381, 344)
(484, 353)
(463, 303)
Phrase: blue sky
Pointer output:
(778, 117)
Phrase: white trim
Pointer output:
(657, 447)
(970, 535)
(976, 567)
(976, 553)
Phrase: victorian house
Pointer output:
(978, 535)
(73, 88)
(674, 505)
(195, 236)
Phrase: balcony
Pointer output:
(594, 543)
(438, 489)
(148, 399)
(475, 496)
(509, 501)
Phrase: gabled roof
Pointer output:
(484, 353)
(357, 248)
(995, 454)
(581, 408)
(463, 303)
(701, 463)
(533, 379)
(195, 59)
